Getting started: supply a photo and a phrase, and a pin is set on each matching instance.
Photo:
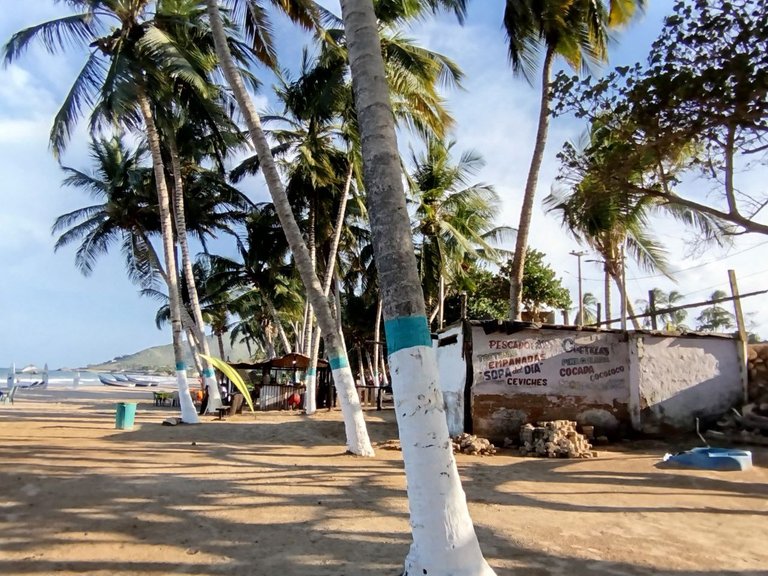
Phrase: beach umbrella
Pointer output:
(45, 376)
(11, 375)
(76, 381)
(31, 369)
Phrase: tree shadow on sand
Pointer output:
(246, 497)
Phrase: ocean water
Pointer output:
(56, 378)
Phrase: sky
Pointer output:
(51, 313)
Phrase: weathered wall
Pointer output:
(534, 375)
(757, 356)
(452, 368)
(680, 379)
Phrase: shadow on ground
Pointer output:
(277, 495)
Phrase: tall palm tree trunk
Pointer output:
(309, 332)
(358, 441)
(192, 343)
(607, 289)
(310, 401)
(376, 345)
(198, 325)
(269, 340)
(623, 295)
(444, 540)
(301, 336)
(279, 324)
(441, 303)
(188, 412)
(337, 309)
(220, 340)
(526, 212)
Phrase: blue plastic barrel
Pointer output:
(124, 415)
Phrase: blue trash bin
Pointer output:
(124, 415)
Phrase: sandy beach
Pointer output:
(274, 493)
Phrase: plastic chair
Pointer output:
(7, 397)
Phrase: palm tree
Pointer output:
(453, 219)
(589, 305)
(605, 217)
(129, 62)
(263, 281)
(577, 31)
(715, 318)
(611, 223)
(672, 320)
(357, 435)
(127, 213)
(444, 540)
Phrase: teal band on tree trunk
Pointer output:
(407, 332)
(310, 371)
(180, 366)
(208, 372)
(338, 362)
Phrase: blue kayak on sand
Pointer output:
(726, 459)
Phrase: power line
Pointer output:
(704, 264)
(694, 267)
(724, 283)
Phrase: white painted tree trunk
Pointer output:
(310, 400)
(188, 412)
(444, 540)
(358, 441)
(198, 326)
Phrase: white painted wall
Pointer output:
(452, 368)
(605, 379)
(680, 379)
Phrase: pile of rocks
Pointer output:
(554, 439)
(390, 445)
(473, 445)
(748, 424)
(462, 444)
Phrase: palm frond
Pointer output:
(57, 35)
(81, 95)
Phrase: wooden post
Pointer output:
(463, 305)
(737, 306)
(742, 334)
(652, 306)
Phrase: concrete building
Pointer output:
(497, 376)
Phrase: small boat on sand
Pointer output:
(119, 384)
(140, 382)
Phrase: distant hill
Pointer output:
(161, 357)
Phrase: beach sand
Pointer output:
(274, 493)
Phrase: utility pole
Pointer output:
(581, 296)
(744, 364)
